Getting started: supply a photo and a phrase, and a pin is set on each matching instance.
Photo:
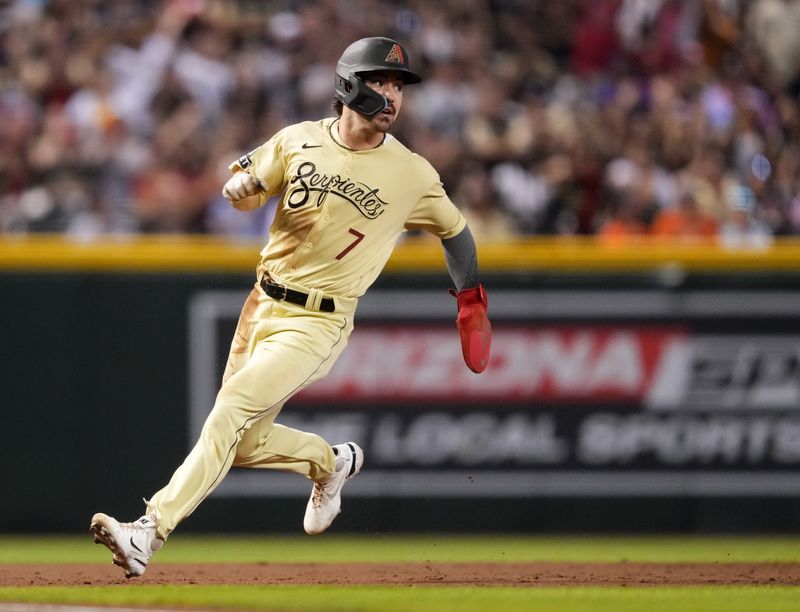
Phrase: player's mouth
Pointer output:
(388, 111)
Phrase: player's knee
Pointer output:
(246, 450)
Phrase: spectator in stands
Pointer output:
(626, 219)
(108, 108)
(479, 205)
(742, 229)
(686, 221)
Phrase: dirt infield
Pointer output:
(500, 574)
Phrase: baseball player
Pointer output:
(348, 189)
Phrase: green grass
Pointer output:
(423, 599)
(380, 548)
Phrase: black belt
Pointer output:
(281, 293)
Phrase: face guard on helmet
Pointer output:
(364, 56)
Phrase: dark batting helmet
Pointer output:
(369, 55)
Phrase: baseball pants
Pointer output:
(278, 349)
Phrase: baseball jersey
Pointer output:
(342, 211)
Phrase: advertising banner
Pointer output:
(677, 398)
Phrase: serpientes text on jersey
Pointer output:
(309, 181)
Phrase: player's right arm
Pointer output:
(257, 175)
(242, 190)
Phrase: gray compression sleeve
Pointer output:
(462, 259)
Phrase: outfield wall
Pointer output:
(638, 388)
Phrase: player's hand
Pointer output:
(474, 327)
(240, 186)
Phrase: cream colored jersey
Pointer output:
(342, 211)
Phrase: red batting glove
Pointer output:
(474, 326)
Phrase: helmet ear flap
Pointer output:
(343, 87)
(356, 94)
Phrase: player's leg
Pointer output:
(287, 350)
(273, 446)
(270, 445)
(132, 544)
(242, 341)
(290, 351)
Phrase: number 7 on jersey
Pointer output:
(359, 237)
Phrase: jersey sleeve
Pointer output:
(267, 164)
(435, 213)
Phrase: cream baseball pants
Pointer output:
(278, 349)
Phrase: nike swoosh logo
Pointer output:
(310, 146)
(134, 545)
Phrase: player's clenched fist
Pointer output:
(240, 186)
(474, 326)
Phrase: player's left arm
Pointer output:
(461, 256)
(473, 320)
(436, 214)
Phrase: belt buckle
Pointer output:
(274, 290)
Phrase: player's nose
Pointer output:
(388, 93)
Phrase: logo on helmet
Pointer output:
(395, 55)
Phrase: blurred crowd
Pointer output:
(616, 118)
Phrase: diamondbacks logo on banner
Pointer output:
(395, 55)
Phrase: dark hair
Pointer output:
(337, 105)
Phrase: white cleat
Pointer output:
(132, 543)
(326, 497)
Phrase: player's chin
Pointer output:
(383, 121)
